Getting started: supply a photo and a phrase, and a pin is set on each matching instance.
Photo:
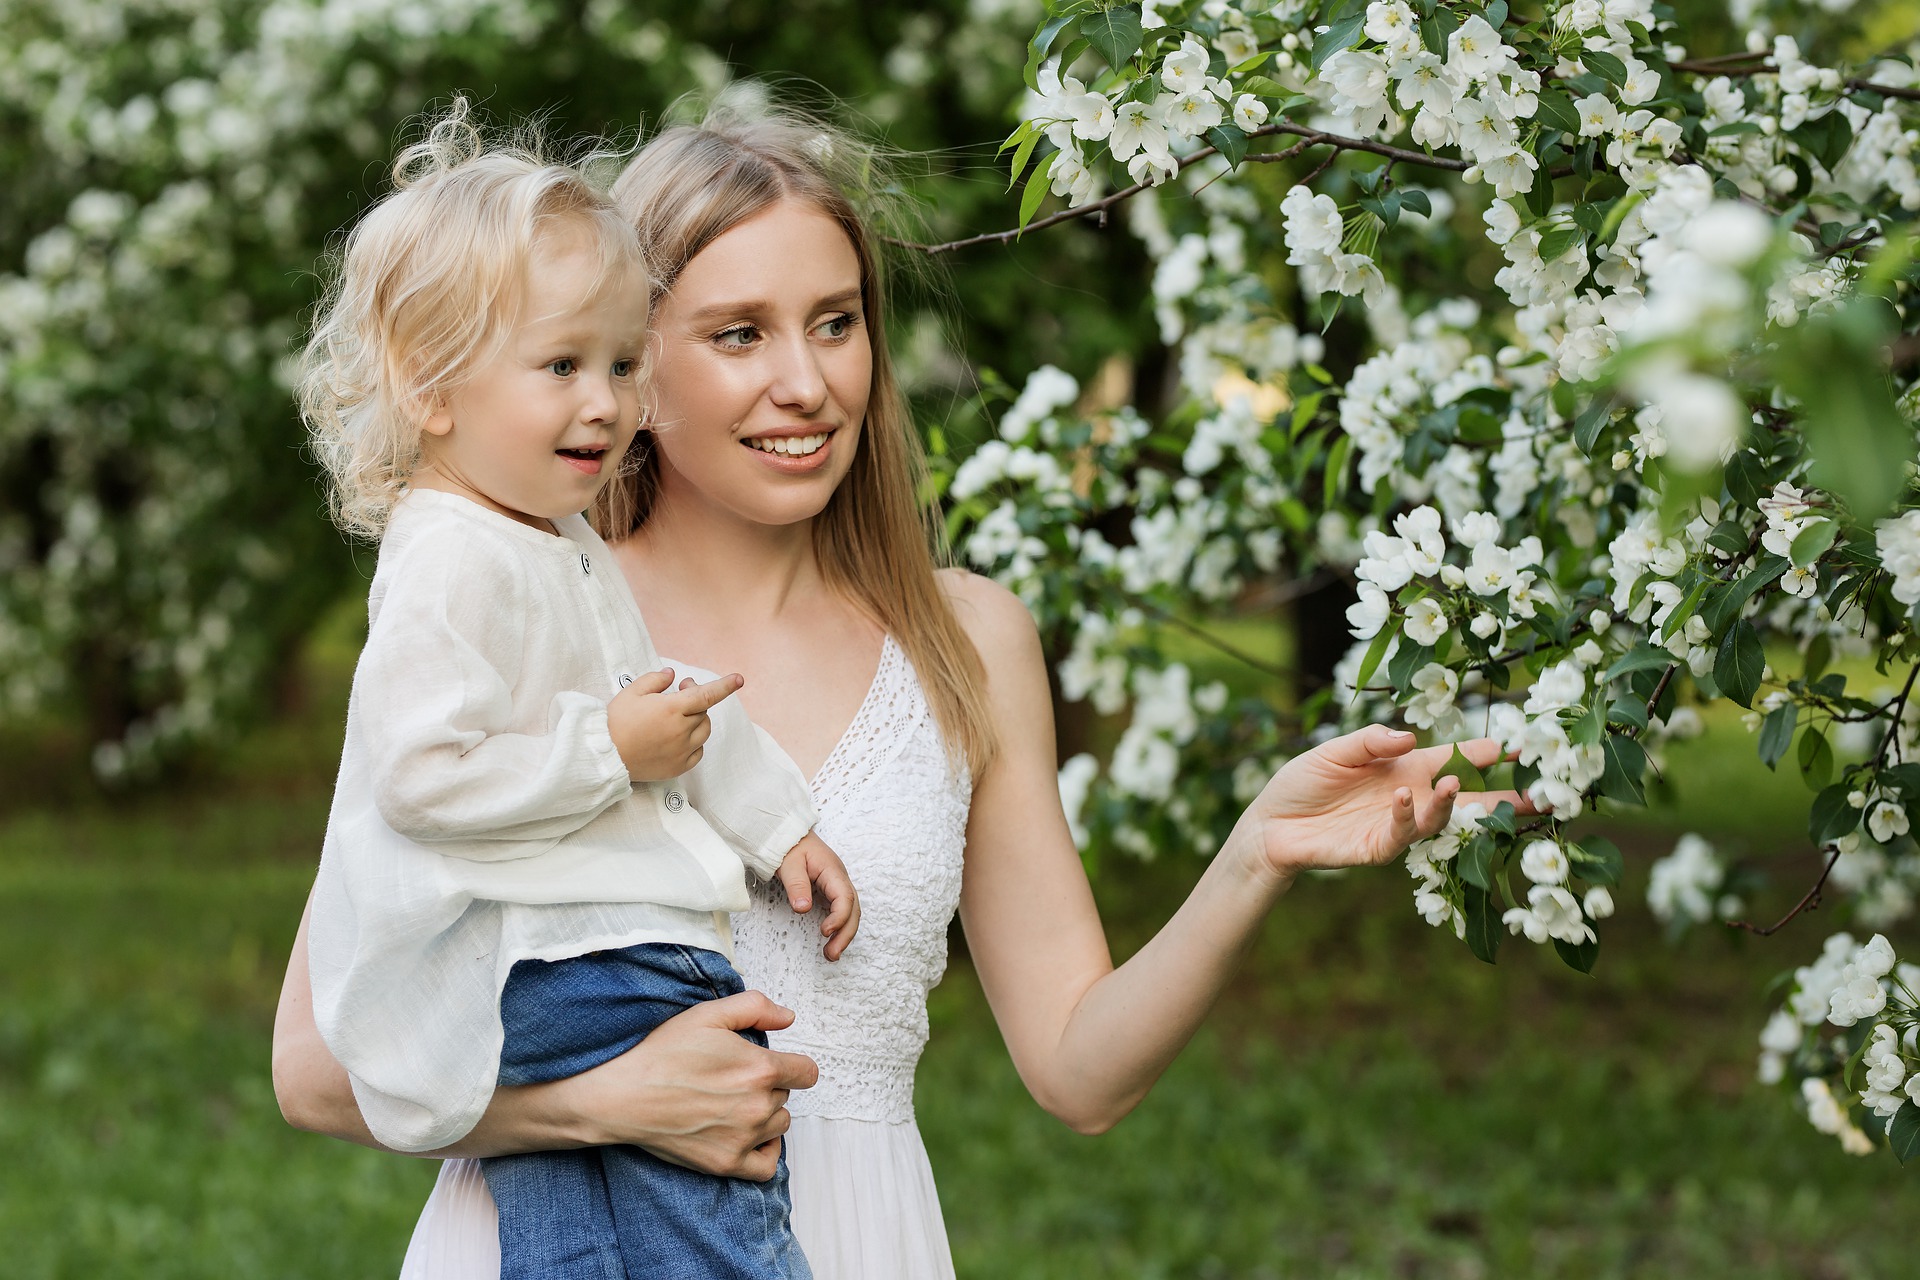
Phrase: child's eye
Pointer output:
(623, 368)
(838, 327)
(564, 367)
(740, 336)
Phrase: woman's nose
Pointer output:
(797, 382)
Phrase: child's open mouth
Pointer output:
(586, 459)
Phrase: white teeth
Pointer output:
(790, 446)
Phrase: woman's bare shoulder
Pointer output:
(994, 618)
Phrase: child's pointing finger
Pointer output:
(702, 697)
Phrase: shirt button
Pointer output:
(625, 679)
(675, 802)
(586, 566)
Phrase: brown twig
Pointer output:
(1711, 67)
(1811, 902)
(1308, 137)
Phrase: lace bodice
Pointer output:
(895, 810)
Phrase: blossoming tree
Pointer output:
(1660, 457)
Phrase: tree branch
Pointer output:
(1713, 67)
(1309, 138)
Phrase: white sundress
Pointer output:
(864, 1204)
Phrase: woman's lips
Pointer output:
(784, 453)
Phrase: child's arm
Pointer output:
(749, 790)
(433, 697)
(813, 864)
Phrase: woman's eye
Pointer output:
(738, 336)
(563, 367)
(838, 327)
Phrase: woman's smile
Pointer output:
(792, 452)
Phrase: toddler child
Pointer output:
(535, 837)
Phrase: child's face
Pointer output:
(541, 423)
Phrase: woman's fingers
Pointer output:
(1439, 807)
(1364, 746)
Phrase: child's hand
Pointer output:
(810, 864)
(661, 731)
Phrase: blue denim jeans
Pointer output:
(620, 1213)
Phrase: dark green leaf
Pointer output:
(1484, 930)
(1586, 428)
(1579, 956)
(1831, 816)
(1737, 667)
(1597, 860)
(1406, 660)
(1555, 108)
(1626, 761)
(1903, 1134)
(1776, 732)
(1747, 480)
(1336, 37)
(1114, 34)
(1724, 604)
(1476, 861)
(1605, 65)
(1416, 201)
(1041, 44)
(1229, 142)
(1816, 759)
(1497, 14)
(1642, 657)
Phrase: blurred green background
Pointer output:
(1366, 1101)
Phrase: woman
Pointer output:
(783, 466)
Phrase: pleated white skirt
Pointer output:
(864, 1208)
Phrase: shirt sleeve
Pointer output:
(749, 790)
(434, 692)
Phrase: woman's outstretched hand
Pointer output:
(1359, 799)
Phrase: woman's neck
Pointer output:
(735, 571)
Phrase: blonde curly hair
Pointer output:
(425, 285)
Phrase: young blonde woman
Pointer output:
(772, 530)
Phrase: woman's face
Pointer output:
(764, 368)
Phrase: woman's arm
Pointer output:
(694, 1092)
(1088, 1039)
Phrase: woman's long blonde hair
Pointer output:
(876, 540)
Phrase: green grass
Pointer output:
(1367, 1100)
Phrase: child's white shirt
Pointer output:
(483, 815)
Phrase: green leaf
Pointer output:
(1041, 43)
(1836, 361)
(1264, 87)
(1626, 761)
(1229, 142)
(1586, 428)
(1597, 860)
(1375, 651)
(1642, 657)
(1747, 481)
(1728, 601)
(1812, 542)
(1501, 819)
(1338, 36)
(1579, 957)
(1554, 107)
(1497, 14)
(1021, 156)
(1903, 1134)
(1336, 473)
(1475, 863)
(1416, 200)
(1036, 191)
(1816, 759)
(1737, 667)
(1406, 660)
(1605, 65)
(1484, 930)
(1458, 766)
(1831, 816)
(1776, 732)
(1114, 34)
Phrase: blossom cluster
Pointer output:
(1873, 1000)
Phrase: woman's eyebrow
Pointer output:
(756, 306)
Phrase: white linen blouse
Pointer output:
(483, 815)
